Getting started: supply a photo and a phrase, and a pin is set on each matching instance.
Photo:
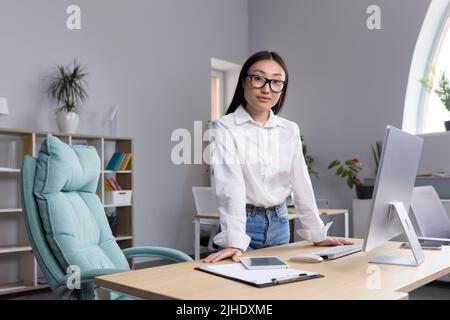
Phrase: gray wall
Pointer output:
(347, 82)
(152, 58)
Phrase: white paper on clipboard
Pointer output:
(259, 277)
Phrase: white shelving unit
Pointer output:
(10, 210)
(19, 271)
(9, 170)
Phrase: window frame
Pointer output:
(433, 57)
(221, 89)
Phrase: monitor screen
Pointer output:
(395, 181)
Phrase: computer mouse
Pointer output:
(309, 257)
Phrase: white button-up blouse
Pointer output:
(260, 165)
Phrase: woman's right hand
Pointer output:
(233, 253)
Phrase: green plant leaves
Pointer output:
(334, 164)
(350, 183)
(349, 170)
(68, 87)
(349, 162)
(443, 90)
(309, 159)
(376, 152)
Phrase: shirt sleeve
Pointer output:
(230, 190)
(313, 228)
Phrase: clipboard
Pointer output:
(259, 278)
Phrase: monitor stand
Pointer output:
(398, 208)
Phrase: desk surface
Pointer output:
(350, 277)
(291, 213)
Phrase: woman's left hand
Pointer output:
(332, 242)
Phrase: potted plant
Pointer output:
(113, 220)
(376, 152)
(349, 170)
(68, 88)
(442, 91)
(309, 159)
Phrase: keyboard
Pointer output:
(339, 251)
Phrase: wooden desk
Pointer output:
(208, 217)
(345, 278)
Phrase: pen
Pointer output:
(289, 278)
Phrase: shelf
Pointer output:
(119, 172)
(19, 287)
(122, 238)
(117, 205)
(15, 249)
(9, 170)
(15, 132)
(10, 210)
(430, 134)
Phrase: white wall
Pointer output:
(347, 82)
(151, 57)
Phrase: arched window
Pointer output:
(436, 86)
(425, 111)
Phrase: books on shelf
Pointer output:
(111, 185)
(119, 161)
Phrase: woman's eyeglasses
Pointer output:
(258, 82)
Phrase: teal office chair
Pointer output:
(66, 222)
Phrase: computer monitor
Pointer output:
(391, 199)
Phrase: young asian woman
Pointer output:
(258, 162)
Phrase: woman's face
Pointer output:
(263, 99)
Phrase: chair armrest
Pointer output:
(89, 275)
(160, 252)
(62, 291)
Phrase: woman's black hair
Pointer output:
(239, 99)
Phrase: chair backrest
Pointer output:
(430, 216)
(65, 219)
(205, 199)
(36, 234)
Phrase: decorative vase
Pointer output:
(447, 125)
(364, 192)
(67, 121)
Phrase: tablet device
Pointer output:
(269, 262)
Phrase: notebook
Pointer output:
(258, 278)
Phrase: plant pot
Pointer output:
(67, 121)
(364, 192)
(114, 230)
(447, 125)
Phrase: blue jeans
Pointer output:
(267, 227)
